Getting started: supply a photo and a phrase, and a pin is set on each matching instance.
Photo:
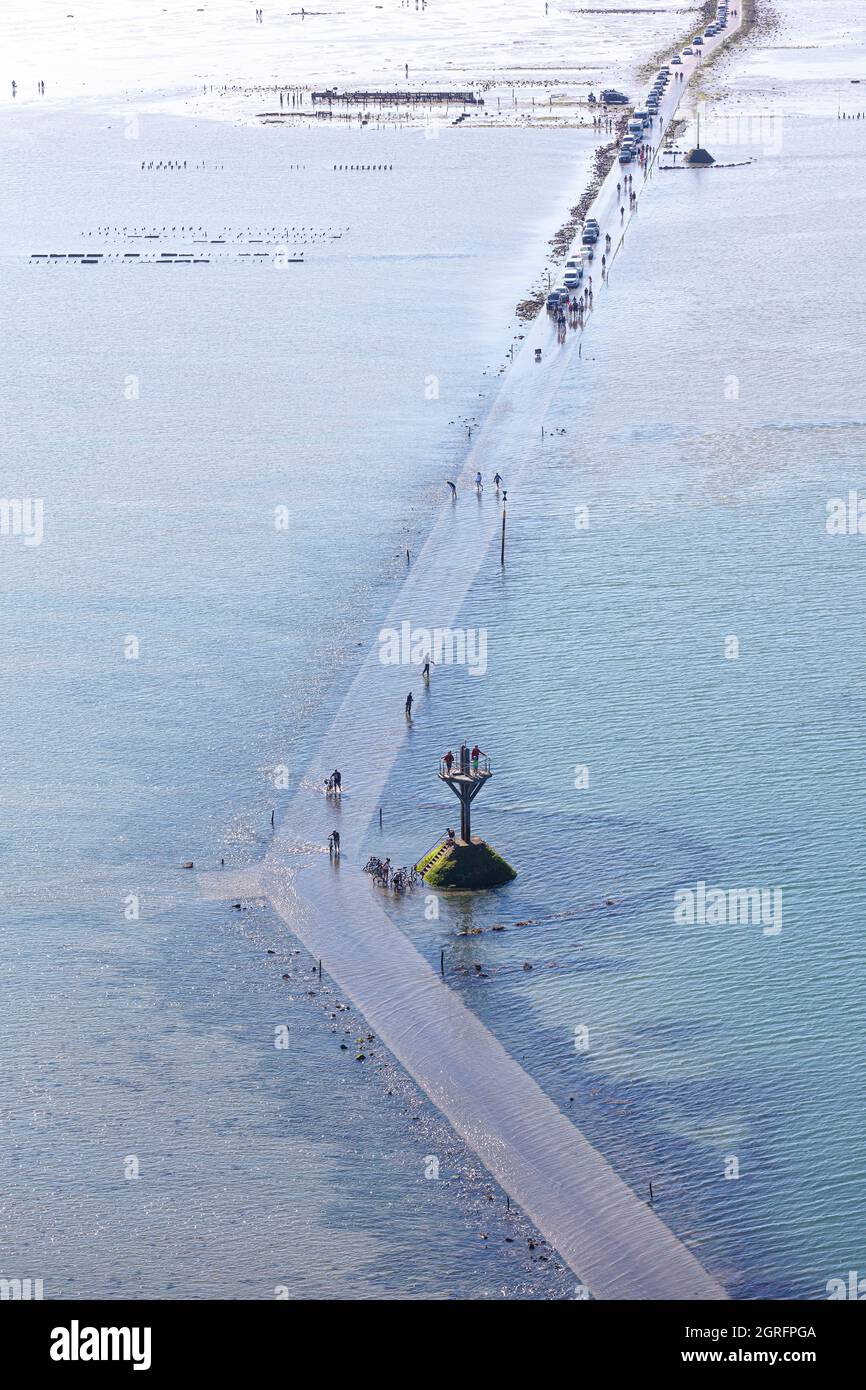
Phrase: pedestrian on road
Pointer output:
(409, 705)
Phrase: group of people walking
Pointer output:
(334, 787)
(626, 189)
(572, 309)
(478, 484)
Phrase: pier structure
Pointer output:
(466, 777)
(399, 98)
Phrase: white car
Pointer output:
(688, 52)
(677, 61)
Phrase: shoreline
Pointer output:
(525, 63)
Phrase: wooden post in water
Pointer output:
(502, 547)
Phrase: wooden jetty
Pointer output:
(399, 98)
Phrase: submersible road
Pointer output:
(613, 1241)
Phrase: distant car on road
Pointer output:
(688, 52)
(697, 40)
(677, 61)
(614, 98)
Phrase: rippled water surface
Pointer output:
(708, 425)
(169, 417)
(164, 415)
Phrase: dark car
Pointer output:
(614, 98)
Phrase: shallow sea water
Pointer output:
(163, 414)
(605, 649)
